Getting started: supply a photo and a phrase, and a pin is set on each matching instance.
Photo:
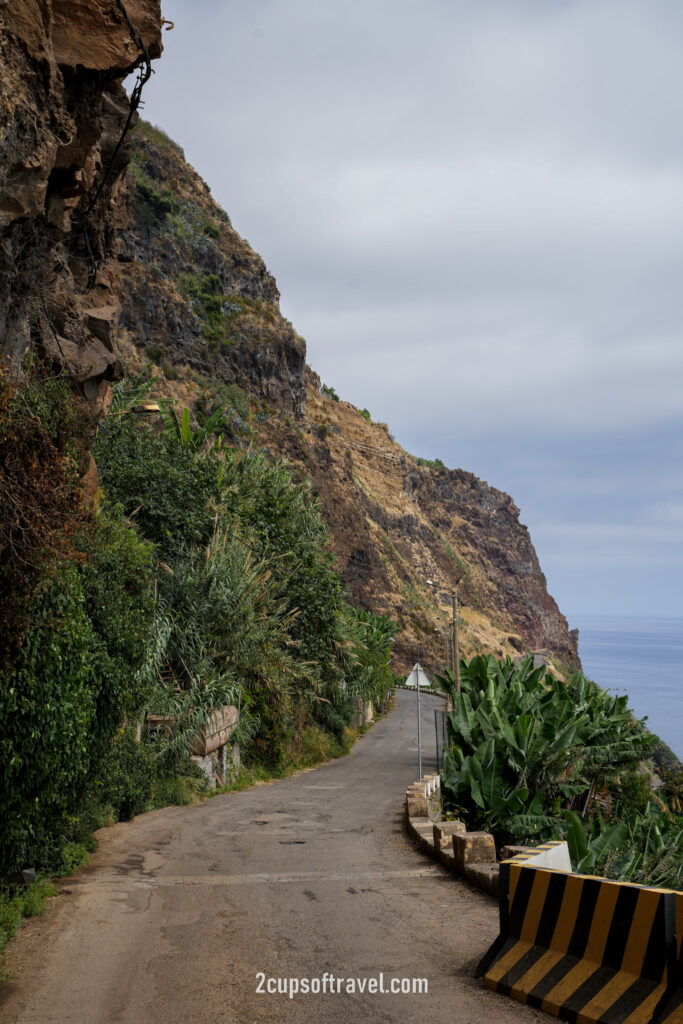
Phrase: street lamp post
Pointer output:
(429, 583)
(419, 729)
(456, 644)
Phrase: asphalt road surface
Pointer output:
(183, 913)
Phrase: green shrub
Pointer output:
(326, 389)
(74, 856)
(365, 413)
(178, 791)
(126, 777)
(33, 902)
(631, 791)
(223, 639)
(209, 303)
(49, 703)
(673, 788)
(69, 687)
(10, 916)
(316, 746)
(167, 486)
(155, 352)
(119, 601)
(152, 202)
(250, 601)
(26, 902)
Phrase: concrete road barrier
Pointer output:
(554, 854)
(672, 1011)
(584, 949)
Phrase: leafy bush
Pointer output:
(326, 389)
(155, 352)
(49, 701)
(11, 906)
(33, 901)
(152, 202)
(69, 686)
(673, 788)
(369, 677)
(118, 599)
(251, 607)
(317, 746)
(40, 496)
(179, 790)
(168, 486)
(126, 776)
(631, 791)
(210, 304)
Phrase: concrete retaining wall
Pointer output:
(471, 855)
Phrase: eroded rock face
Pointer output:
(485, 522)
(195, 293)
(62, 112)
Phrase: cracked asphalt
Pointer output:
(181, 911)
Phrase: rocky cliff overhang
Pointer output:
(62, 112)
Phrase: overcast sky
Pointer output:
(473, 211)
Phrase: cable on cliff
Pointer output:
(144, 74)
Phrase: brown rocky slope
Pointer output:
(200, 305)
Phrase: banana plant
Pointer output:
(126, 393)
(645, 847)
(194, 439)
(522, 741)
(589, 853)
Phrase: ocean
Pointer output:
(642, 657)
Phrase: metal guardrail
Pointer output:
(441, 736)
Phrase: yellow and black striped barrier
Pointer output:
(521, 858)
(672, 1013)
(553, 854)
(587, 950)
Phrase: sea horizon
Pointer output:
(642, 656)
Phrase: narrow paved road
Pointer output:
(180, 909)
